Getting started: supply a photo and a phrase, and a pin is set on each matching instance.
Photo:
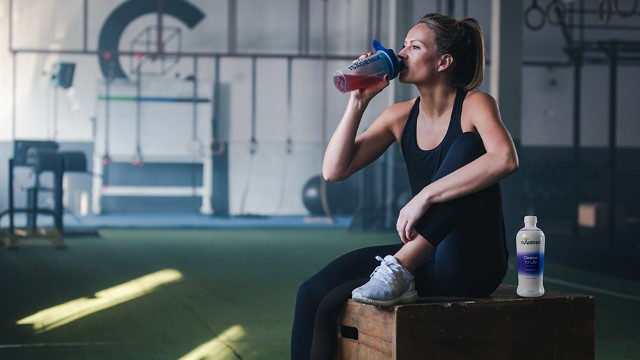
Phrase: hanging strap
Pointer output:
(195, 145)
(106, 158)
(137, 157)
(289, 115)
(253, 145)
(217, 144)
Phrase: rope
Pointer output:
(253, 143)
(194, 146)
(106, 159)
(289, 142)
(137, 157)
(217, 145)
(289, 115)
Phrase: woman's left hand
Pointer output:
(409, 216)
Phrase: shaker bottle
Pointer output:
(368, 71)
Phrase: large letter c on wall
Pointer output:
(124, 14)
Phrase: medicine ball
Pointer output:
(342, 197)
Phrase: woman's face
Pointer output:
(419, 56)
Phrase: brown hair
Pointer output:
(464, 41)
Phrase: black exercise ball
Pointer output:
(342, 197)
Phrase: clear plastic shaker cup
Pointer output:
(368, 71)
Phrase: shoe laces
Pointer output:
(385, 271)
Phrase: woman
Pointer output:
(456, 149)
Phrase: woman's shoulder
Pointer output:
(479, 99)
(479, 107)
(396, 115)
(400, 110)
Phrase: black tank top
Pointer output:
(423, 164)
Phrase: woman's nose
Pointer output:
(401, 53)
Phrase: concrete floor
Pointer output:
(227, 294)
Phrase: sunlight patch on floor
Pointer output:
(62, 314)
(217, 347)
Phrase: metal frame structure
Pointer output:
(232, 49)
(231, 52)
(582, 51)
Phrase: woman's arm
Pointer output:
(348, 152)
(499, 161)
(480, 114)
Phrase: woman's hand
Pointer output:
(367, 93)
(409, 216)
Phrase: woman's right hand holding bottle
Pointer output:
(367, 93)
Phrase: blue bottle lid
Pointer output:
(396, 64)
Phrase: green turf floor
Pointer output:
(228, 294)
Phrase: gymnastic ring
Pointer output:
(217, 147)
(195, 147)
(253, 146)
(106, 159)
(628, 13)
(560, 6)
(603, 15)
(531, 9)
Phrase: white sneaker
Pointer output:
(390, 284)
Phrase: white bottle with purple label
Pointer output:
(530, 253)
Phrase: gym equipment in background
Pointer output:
(41, 157)
(342, 197)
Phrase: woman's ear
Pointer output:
(445, 62)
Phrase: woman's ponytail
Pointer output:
(475, 53)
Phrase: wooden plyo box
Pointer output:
(502, 326)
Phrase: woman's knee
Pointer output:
(469, 143)
(466, 148)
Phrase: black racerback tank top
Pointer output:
(423, 164)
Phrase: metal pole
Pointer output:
(85, 8)
(54, 131)
(14, 86)
(138, 154)
(370, 22)
(389, 155)
(577, 58)
(11, 200)
(232, 27)
(613, 87)
(194, 102)
(216, 102)
(377, 33)
(303, 27)
(58, 174)
(577, 91)
(254, 75)
(10, 25)
(323, 183)
(159, 44)
(13, 80)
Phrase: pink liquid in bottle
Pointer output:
(346, 83)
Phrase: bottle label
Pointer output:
(364, 62)
(530, 253)
(531, 264)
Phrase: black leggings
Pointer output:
(465, 263)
